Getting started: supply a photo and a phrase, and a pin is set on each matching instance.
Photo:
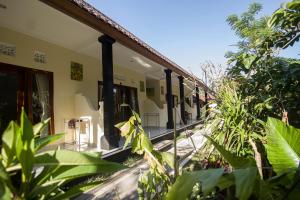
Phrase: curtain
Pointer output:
(134, 99)
(42, 83)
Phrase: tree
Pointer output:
(262, 75)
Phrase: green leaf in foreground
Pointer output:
(244, 181)
(184, 184)
(65, 157)
(283, 147)
(74, 191)
(41, 142)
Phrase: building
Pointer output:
(66, 60)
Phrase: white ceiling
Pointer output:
(38, 20)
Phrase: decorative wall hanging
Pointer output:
(142, 86)
(76, 71)
(7, 49)
(39, 57)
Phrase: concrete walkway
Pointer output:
(123, 185)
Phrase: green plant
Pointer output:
(28, 173)
(156, 181)
(236, 125)
(244, 181)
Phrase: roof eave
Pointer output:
(85, 13)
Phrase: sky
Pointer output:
(189, 32)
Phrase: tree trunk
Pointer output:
(257, 157)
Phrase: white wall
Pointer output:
(58, 62)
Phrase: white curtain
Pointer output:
(42, 83)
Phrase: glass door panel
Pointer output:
(11, 97)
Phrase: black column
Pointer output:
(206, 106)
(169, 97)
(111, 138)
(181, 93)
(198, 103)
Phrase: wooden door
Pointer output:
(12, 95)
(28, 88)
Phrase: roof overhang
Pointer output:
(87, 14)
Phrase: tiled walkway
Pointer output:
(153, 132)
(124, 186)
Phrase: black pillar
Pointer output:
(181, 93)
(206, 106)
(169, 97)
(111, 137)
(198, 103)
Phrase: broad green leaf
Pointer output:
(295, 4)
(3, 174)
(9, 138)
(67, 172)
(44, 141)
(248, 60)
(137, 117)
(42, 177)
(128, 140)
(25, 155)
(26, 128)
(244, 182)
(5, 193)
(37, 128)
(126, 129)
(282, 146)
(141, 142)
(164, 158)
(295, 192)
(70, 172)
(42, 191)
(184, 184)
(65, 157)
(168, 158)
(234, 161)
(5, 183)
(119, 125)
(75, 190)
(226, 181)
(275, 17)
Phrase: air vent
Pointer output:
(39, 57)
(7, 49)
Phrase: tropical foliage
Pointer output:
(244, 181)
(261, 150)
(263, 76)
(28, 172)
(263, 153)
